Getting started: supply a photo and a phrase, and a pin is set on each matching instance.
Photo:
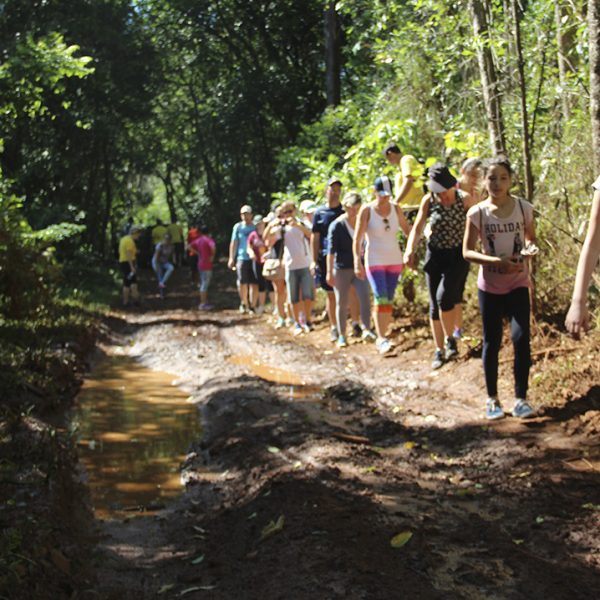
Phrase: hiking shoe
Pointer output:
(280, 323)
(356, 330)
(451, 350)
(457, 333)
(438, 360)
(368, 336)
(493, 409)
(297, 330)
(308, 327)
(333, 334)
(383, 346)
(341, 342)
(522, 409)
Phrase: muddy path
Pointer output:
(311, 459)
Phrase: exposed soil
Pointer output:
(296, 489)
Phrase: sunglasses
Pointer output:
(386, 222)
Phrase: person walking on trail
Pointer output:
(158, 232)
(240, 261)
(175, 230)
(444, 208)
(322, 219)
(307, 210)
(273, 237)
(203, 249)
(407, 182)
(256, 250)
(340, 270)
(297, 260)
(578, 317)
(192, 259)
(128, 266)
(379, 222)
(162, 262)
(504, 225)
(469, 181)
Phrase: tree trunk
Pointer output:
(523, 101)
(332, 55)
(561, 47)
(594, 36)
(489, 79)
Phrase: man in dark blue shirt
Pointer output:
(322, 218)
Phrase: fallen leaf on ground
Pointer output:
(409, 445)
(401, 539)
(272, 528)
(165, 588)
(198, 560)
(590, 506)
(197, 588)
(273, 449)
(518, 542)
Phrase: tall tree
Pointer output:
(333, 54)
(489, 80)
(594, 37)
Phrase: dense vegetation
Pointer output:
(185, 109)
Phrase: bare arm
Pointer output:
(232, 252)
(404, 188)
(416, 231)
(508, 264)
(362, 221)
(578, 318)
(315, 244)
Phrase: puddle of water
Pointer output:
(295, 386)
(134, 429)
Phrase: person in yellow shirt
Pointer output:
(127, 264)
(407, 183)
(158, 232)
(175, 230)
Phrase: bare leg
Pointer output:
(243, 289)
(382, 321)
(331, 309)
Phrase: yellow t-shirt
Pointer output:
(127, 246)
(410, 166)
(176, 233)
(158, 233)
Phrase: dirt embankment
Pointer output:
(356, 476)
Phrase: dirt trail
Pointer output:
(296, 490)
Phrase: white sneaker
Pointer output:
(242, 309)
(383, 345)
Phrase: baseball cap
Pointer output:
(383, 186)
(307, 206)
(333, 180)
(246, 209)
(440, 178)
(257, 219)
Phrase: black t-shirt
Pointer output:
(322, 219)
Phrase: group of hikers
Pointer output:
(351, 250)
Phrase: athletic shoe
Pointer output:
(457, 333)
(242, 309)
(493, 409)
(205, 307)
(368, 336)
(289, 321)
(260, 310)
(438, 360)
(308, 327)
(341, 342)
(251, 310)
(451, 349)
(522, 409)
(356, 330)
(333, 334)
(162, 285)
(383, 345)
(297, 330)
(280, 323)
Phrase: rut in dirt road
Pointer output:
(298, 486)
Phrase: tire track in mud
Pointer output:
(495, 511)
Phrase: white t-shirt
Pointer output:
(502, 237)
(296, 252)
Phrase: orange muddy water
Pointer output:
(134, 429)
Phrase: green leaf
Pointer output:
(401, 539)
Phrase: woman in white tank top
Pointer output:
(379, 223)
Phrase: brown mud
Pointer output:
(312, 459)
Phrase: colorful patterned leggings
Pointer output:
(383, 280)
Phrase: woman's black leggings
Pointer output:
(494, 307)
